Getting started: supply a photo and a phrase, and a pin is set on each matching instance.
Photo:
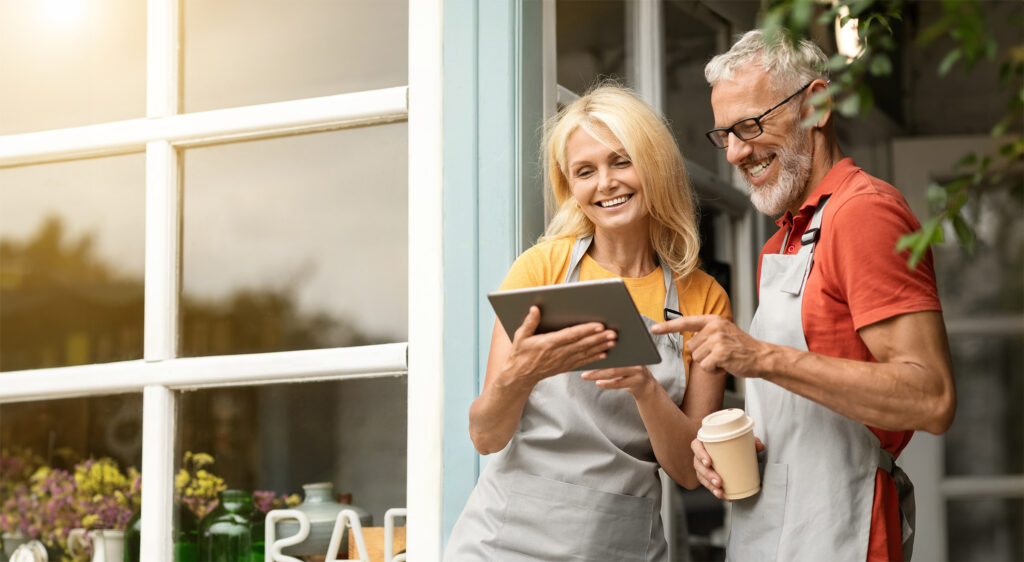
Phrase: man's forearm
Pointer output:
(892, 396)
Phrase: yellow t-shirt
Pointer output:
(547, 263)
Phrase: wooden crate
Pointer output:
(374, 537)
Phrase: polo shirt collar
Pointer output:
(832, 180)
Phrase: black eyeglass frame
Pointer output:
(711, 135)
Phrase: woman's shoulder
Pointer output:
(699, 293)
(540, 264)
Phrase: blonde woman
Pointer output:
(574, 474)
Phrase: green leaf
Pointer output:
(930, 233)
(800, 17)
(964, 233)
(837, 62)
(968, 160)
(857, 7)
(907, 241)
(850, 105)
(881, 65)
(949, 60)
(1013, 149)
(999, 128)
(937, 195)
(814, 117)
(867, 99)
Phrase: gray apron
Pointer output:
(578, 480)
(819, 467)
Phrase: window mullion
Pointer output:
(163, 211)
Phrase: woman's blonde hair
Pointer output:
(615, 116)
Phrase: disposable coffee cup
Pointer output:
(728, 436)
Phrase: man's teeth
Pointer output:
(613, 202)
(758, 169)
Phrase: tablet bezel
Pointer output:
(568, 304)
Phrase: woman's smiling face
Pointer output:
(605, 183)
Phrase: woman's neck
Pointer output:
(625, 255)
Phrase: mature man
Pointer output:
(847, 353)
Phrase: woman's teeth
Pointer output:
(757, 169)
(613, 202)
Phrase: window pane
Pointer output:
(95, 440)
(257, 51)
(591, 42)
(989, 282)
(71, 63)
(351, 433)
(296, 243)
(985, 530)
(72, 245)
(990, 392)
(691, 39)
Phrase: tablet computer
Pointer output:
(604, 300)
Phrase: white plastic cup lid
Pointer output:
(724, 425)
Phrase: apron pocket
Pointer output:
(551, 520)
(757, 521)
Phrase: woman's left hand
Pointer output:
(636, 380)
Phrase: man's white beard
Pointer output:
(794, 160)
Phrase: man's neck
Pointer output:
(825, 154)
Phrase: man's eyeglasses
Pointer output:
(749, 128)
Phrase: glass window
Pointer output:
(58, 457)
(990, 392)
(591, 42)
(72, 246)
(70, 63)
(239, 52)
(989, 282)
(985, 529)
(691, 39)
(276, 438)
(296, 243)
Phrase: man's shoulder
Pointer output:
(860, 198)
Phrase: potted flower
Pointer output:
(44, 508)
(195, 486)
(105, 499)
(16, 467)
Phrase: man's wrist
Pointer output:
(773, 358)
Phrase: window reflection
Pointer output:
(989, 281)
(591, 42)
(239, 52)
(296, 243)
(691, 39)
(276, 438)
(989, 393)
(71, 263)
(66, 464)
(985, 529)
(67, 64)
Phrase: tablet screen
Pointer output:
(604, 300)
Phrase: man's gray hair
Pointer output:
(790, 66)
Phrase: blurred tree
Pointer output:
(964, 23)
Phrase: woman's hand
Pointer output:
(638, 380)
(706, 474)
(534, 357)
(514, 368)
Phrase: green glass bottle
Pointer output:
(186, 536)
(226, 533)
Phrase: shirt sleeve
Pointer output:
(536, 266)
(717, 301)
(866, 270)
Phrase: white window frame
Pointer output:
(162, 135)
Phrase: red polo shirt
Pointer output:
(858, 279)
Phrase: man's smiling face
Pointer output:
(776, 165)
